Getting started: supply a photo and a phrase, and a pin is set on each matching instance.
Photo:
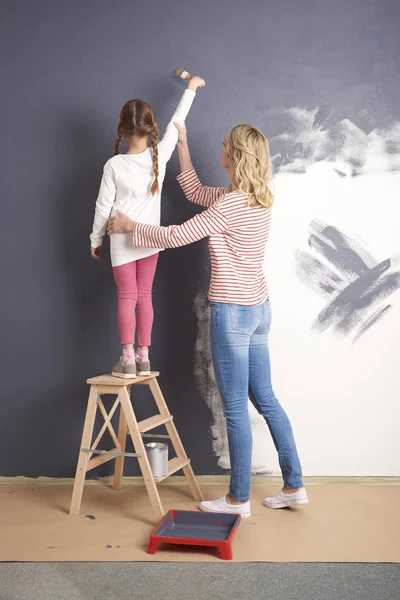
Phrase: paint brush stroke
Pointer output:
(374, 318)
(345, 271)
(348, 255)
(352, 306)
(313, 272)
(205, 378)
(312, 135)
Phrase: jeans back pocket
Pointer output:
(244, 319)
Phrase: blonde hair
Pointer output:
(251, 174)
(138, 119)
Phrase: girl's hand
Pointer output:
(182, 137)
(196, 82)
(120, 224)
(96, 253)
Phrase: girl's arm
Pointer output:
(168, 142)
(104, 203)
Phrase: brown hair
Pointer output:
(138, 119)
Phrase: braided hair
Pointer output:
(137, 119)
(118, 140)
(154, 143)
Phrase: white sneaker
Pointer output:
(221, 506)
(282, 500)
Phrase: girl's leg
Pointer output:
(145, 271)
(265, 401)
(125, 278)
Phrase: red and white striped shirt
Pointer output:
(237, 236)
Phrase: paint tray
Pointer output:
(192, 528)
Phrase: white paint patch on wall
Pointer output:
(342, 398)
(310, 139)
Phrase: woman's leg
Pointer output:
(125, 278)
(145, 271)
(230, 354)
(265, 401)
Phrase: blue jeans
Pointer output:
(240, 353)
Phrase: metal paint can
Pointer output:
(158, 458)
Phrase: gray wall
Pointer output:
(67, 67)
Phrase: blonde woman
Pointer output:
(237, 223)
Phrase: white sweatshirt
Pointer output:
(125, 187)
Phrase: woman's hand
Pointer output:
(96, 253)
(120, 224)
(182, 137)
(185, 161)
(196, 82)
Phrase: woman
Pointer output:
(237, 224)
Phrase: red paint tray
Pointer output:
(192, 528)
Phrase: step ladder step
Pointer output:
(174, 465)
(154, 422)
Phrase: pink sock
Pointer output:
(128, 356)
(142, 354)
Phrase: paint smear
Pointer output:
(343, 269)
(313, 135)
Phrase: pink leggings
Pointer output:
(135, 282)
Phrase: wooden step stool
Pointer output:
(128, 425)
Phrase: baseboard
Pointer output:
(205, 480)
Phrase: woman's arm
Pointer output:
(211, 221)
(185, 160)
(198, 193)
(169, 140)
(104, 204)
(188, 180)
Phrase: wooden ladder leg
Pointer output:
(83, 458)
(175, 440)
(158, 397)
(119, 461)
(138, 444)
(193, 485)
(188, 471)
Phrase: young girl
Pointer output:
(132, 184)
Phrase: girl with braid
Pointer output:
(132, 184)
